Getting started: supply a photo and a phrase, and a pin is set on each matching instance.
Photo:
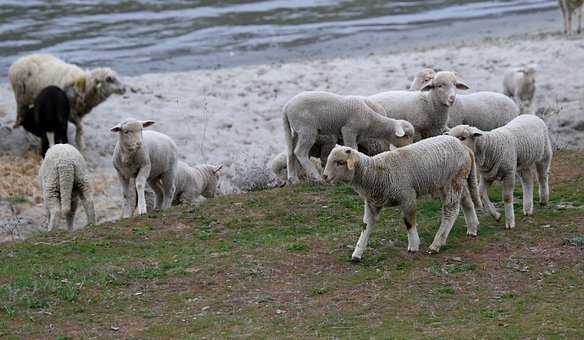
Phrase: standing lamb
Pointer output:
(519, 84)
(517, 147)
(31, 74)
(428, 109)
(49, 117)
(568, 7)
(422, 78)
(310, 114)
(144, 156)
(485, 110)
(63, 178)
(435, 165)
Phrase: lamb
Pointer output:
(422, 78)
(48, 117)
(439, 164)
(144, 156)
(310, 114)
(515, 148)
(519, 84)
(190, 182)
(63, 178)
(568, 7)
(427, 109)
(485, 110)
(279, 167)
(29, 75)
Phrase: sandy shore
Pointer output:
(232, 115)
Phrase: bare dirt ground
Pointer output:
(232, 115)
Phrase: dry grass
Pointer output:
(18, 178)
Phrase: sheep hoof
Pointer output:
(509, 225)
(355, 259)
(471, 235)
(433, 250)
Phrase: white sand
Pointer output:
(232, 115)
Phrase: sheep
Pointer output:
(310, 114)
(427, 109)
(519, 84)
(30, 74)
(63, 178)
(485, 110)
(190, 182)
(439, 164)
(567, 7)
(48, 117)
(422, 78)
(515, 148)
(279, 166)
(144, 156)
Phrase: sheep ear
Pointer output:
(116, 128)
(476, 132)
(427, 86)
(147, 123)
(461, 86)
(217, 168)
(399, 131)
(351, 159)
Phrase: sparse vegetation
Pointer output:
(276, 263)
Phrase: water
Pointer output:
(170, 35)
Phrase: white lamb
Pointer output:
(355, 118)
(31, 74)
(279, 166)
(515, 148)
(439, 165)
(63, 178)
(519, 84)
(144, 156)
(427, 109)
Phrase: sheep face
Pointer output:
(130, 133)
(107, 81)
(408, 134)
(211, 188)
(466, 134)
(340, 165)
(444, 86)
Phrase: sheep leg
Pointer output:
(156, 186)
(527, 185)
(450, 210)
(580, 19)
(54, 208)
(44, 144)
(169, 188)
(51, 138)
(484, 192)
(349, 137)
(409, 216)
(370, 217)
(140, 186)
(470, 215)
(87, 201)
(543, 176)
(71, 214)
(129, 196)
(302, 151)
(508, 185)
(79, 140)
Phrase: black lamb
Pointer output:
(48, 117)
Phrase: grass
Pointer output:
(276, 263)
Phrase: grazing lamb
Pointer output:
(310, 114)
(422, 78)
(63, 178)
(484, 110)
(30, 74)
(519, 84)
(49, 117)
(144, 156)
(439, 164)
(279, 166)
(568, 7)
(428, 109)
(502, 153)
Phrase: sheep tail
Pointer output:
(473, 186)
(66, 173)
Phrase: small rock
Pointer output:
(456, 258)
(279, 311)
(114, 328)
(205, 308)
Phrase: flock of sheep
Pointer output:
(397, 145)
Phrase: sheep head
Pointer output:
(130, 133)
(106, 82)
(466, 134)
(444, 86)
(340, 165)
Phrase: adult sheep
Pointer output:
(568, 7)
(31, 74)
